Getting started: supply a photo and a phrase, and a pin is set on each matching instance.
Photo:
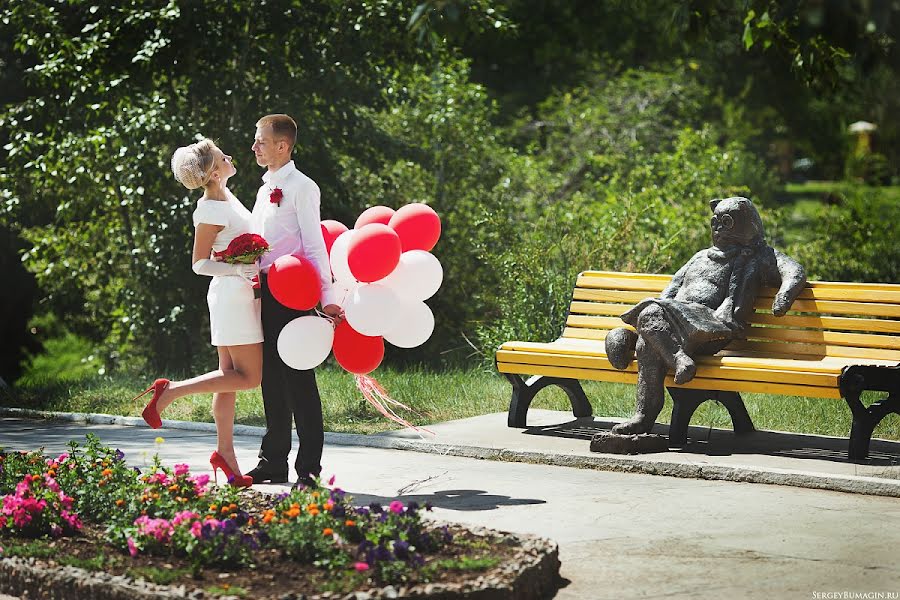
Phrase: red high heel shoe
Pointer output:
(217, 462)
(150, 414)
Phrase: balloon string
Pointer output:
(376, 395)
(325, 316)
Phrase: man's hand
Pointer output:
(335, 312)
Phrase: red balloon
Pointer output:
(374, 214)
(418, 226)
(373, 253)
(331, 229)
(294, 281)
(356, 352)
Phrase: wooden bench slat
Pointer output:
(697, 383)
(809, 336)
(595, 309)
(769, 345)
(825, 322)
(745, 358)
(665, 278)
(819, 290)
(704, 370)
(837, 307)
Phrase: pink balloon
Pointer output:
(373, 253)
(331, 229)
(356, 352)
(294, 281)
(374, 214)
(418, 226)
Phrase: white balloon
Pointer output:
(417, 277)
(305, 342)
(345, 290)
(339, 267)
(372, 309)
(414, 328)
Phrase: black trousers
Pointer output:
(287, 392)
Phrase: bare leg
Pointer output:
(655, 330)
(223, 408)
(245, 374)
(650, 391)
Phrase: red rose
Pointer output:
(276, 196)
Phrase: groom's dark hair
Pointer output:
(283, 127)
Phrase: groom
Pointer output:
(286, 214)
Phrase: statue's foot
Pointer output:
(685, 368)
(637, 424)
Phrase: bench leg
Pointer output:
(854, 380)
(523, 393)
(685, 402)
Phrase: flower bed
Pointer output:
(88, 509)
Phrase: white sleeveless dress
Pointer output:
(234, 314)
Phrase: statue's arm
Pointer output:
(793, 279)
(678, 279)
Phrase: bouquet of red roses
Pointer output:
(245, 249)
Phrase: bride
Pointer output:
(234, 313)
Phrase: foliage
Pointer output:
(168, 511)
(618, 184)
(853, 239)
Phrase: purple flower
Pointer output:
(401, 549)
(120, 456)
(376, 508)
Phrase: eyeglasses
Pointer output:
(726, 221)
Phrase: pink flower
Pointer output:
(62, 457)
(331, 480)
(396, 507)
(181, 469)
(132, 547)
(196, 529)
(184, 516)
(361, 566)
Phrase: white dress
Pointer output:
(234, 314)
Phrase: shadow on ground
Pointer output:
(723, 442)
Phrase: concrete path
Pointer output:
(621, 535)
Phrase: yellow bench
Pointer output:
(838, 340)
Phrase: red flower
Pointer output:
(276, 196)
(245, 248)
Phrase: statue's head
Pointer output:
(735, 221)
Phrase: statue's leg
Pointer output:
(650, 391)
(657, 332)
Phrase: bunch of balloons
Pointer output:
(386, 271)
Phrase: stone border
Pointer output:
(854, 484)
(532, 573)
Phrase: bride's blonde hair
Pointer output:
(193, 164)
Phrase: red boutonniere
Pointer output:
(276, 196)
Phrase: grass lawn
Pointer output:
(437, 396)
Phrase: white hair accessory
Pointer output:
(187, 166)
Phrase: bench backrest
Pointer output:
(851, 320)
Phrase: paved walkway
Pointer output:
(621, 534)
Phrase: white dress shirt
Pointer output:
(294, 227)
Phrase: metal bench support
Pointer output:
(686, 401)
(853, 382)
(523, 393)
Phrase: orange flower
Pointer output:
(120, 502)
(328, 531)
(51, 473)
(268, 516)
(328, 505)
(224, 510)
(173, 487)
(232, 506)
(315, 494)
(213, 507)
(106, 472)
(350, 523)
(314, 512)
(312, 507)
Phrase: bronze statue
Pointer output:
(705, 307)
